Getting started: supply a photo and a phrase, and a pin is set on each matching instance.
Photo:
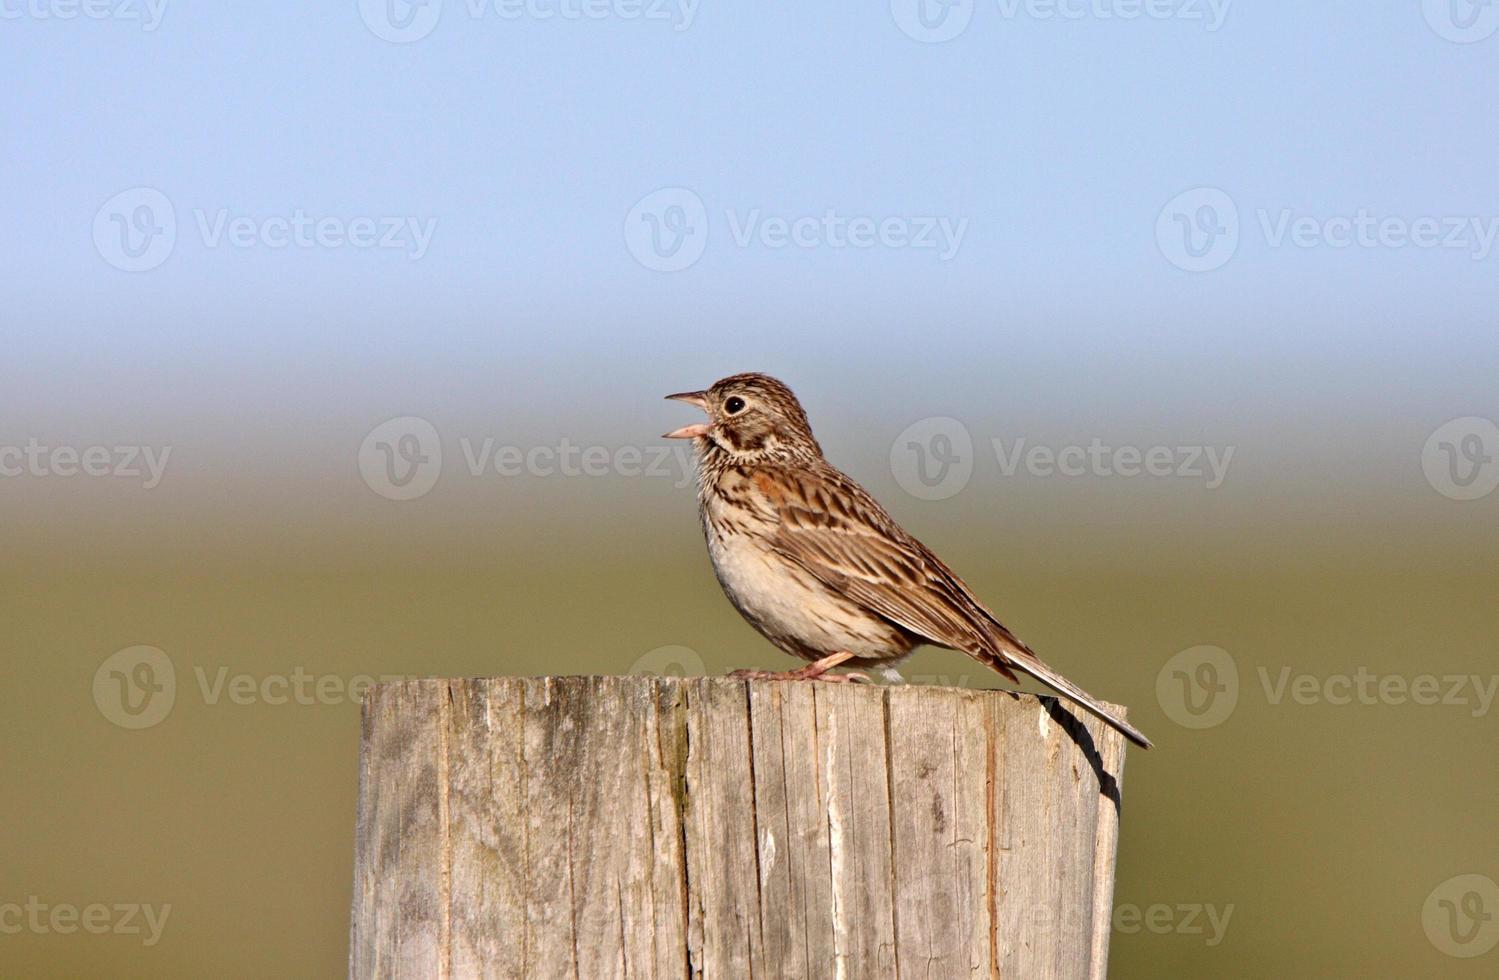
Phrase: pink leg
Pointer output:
(817, 670)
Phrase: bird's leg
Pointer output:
(817, 670)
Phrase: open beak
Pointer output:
(698, 398)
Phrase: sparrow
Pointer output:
(817, 566)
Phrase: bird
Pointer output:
(818, 567)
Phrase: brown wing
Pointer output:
(829, 525)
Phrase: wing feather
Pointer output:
(858, 549)
(832, 527)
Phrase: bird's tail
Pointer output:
(1031, 664)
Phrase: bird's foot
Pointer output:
(817, 670)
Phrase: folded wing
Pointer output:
(832, 527)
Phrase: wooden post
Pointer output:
(620, 827)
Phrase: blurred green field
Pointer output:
(1313, 833)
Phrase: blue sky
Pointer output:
(520, 137)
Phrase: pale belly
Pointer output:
(793, 609)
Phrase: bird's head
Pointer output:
(751, 418)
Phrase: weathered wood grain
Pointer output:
(602, 827)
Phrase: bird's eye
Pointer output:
(734, 405)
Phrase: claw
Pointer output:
(854, 678)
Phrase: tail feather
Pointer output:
(1033, 666)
